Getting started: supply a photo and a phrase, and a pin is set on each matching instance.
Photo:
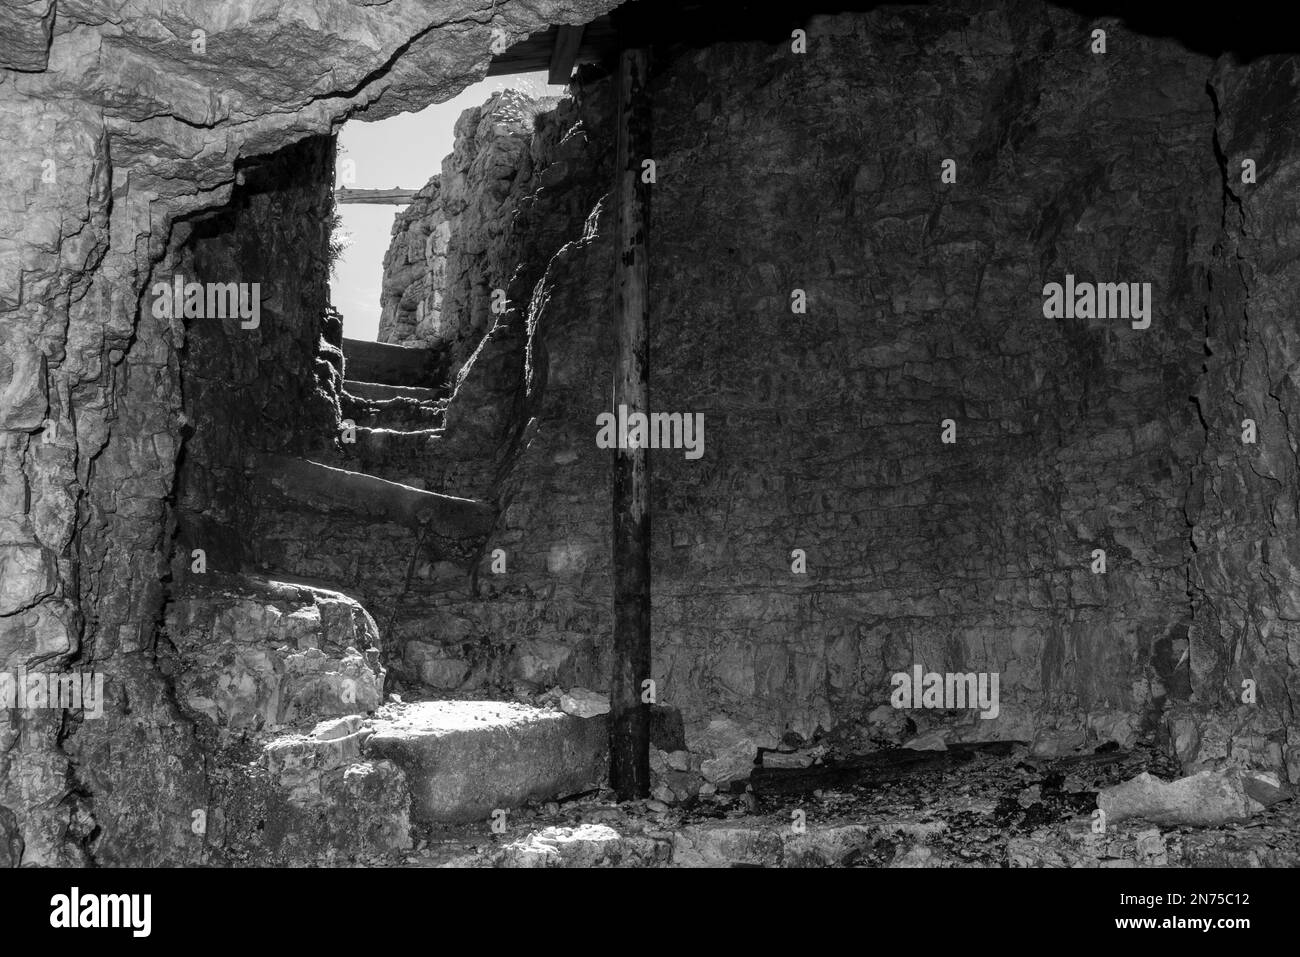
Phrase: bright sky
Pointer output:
(403, 151)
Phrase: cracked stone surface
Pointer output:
(174, 137)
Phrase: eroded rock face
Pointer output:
(117, 130)
(256, 654)
(459, 240)
(1242, 499)
(823, 429)
(415, 238)
(269, 383)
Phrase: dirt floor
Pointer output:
(974, 806)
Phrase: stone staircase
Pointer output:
(353, 557)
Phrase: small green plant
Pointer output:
(339, 241)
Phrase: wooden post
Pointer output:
(629, 725)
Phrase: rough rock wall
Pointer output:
(1242, 502)
(462, 228)
(924, 304)
(925, 300)
(405, 271)
(120, 128)
(264, 389)
(521, 183)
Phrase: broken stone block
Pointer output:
(936, 740)
(728, 749)
(1117, 726)
(671, 779)
(582, 703)
(802, 758)
(1051, 743)
(297, 761)
(313, 797)
(338, 728)
(726, 844)
(540, 661)
(889, 723)
(350, 808)
(678, 760)
(582, 846)
(464, 759)
(1247, 738)
(1207, 798)
(316, 684)
(257, 653)
(1151, 849)
(434, 668)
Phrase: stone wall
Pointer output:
(925, 303)
(1241, 500)
(776, 171)
(405, 271)
(115, 131)
(462, 238)
(273, 388)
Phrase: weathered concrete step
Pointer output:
(322, 487)
(465, 759)
(380, 392)
(386, 364)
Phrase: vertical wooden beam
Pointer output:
(629, 726)
(568, 40)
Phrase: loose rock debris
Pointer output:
(988, 805)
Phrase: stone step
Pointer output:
(379, 392)
(379, 362)
(372, 405)
(367, 558)
(401, 456)
(401, 415)
(317, 487)
(465, 759)
(314, 797)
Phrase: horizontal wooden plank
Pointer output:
(399, 197)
